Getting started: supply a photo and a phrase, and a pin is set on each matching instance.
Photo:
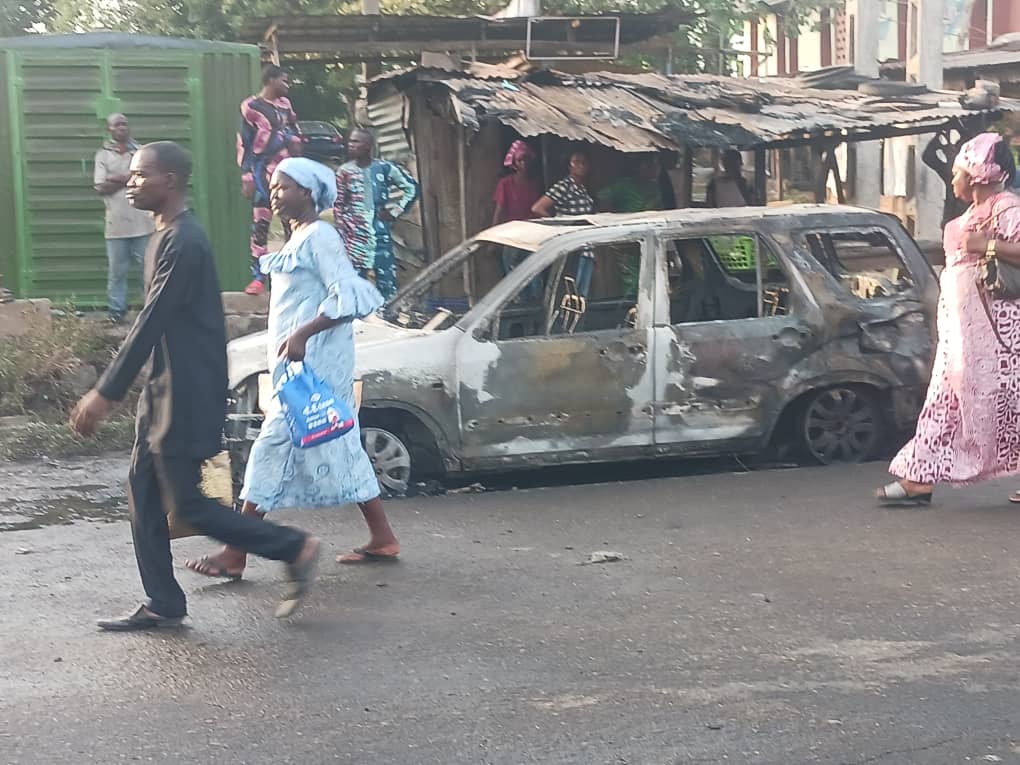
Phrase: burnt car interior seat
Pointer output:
(704, 292)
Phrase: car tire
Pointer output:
(841, 423)
(391, 459)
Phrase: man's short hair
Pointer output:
(272, 72)
(365, 132)
(171, 158)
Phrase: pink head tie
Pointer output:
(977, 159)
(517, 149)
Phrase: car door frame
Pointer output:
(558, 438)
(696, 413)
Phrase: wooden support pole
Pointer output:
(833, 165)
(821, 171)
(760, 190)
(686, 196)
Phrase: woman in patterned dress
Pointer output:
(315, 297)
(969, 428)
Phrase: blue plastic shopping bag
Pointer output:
(314, 413)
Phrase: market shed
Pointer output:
(457, 122)
(58, 91)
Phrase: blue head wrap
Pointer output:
(314, 176)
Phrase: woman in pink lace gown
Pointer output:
(969, 428)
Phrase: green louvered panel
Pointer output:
(51, 221)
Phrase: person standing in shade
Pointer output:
(638, 191)
(269, 134)
(571, 196)
(180, 332)
(515, 195)
(364, 210)
(127, 229)
(730, 189)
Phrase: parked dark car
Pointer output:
(322, 142)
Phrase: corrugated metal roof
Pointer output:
(644, 112)
(1004, 55)
(386, 116)
(610, 116)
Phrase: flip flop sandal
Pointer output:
(894, 495)
(301, 576)
(367, 557)
(212, 571)
(1015, 497)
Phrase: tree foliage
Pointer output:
(321, 90)
(18, 17)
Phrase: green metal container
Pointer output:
(55, 94)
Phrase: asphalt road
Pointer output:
(765, 617)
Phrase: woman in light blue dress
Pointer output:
(316, 295)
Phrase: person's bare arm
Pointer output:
(103, 182)
(977, 243)
(543, 208)
(111, 185)
(294, 346)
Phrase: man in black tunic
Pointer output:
(183, 404)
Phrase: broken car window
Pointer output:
(866, 263)
(442, 299)
(587, 290)
(715, 278)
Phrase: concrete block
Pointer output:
(239, 326)
(20, 317)
(239, 304)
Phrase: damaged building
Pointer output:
(450, 123)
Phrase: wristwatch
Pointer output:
(990, 249)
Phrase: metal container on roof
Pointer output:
(57, 91)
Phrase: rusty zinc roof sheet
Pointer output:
(645, 112)
(610, 116)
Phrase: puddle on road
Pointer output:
(60, 511)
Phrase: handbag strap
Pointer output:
(991, 320)
(988, 225)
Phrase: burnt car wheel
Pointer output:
(390, 458)
(840, 424)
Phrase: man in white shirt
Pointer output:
(127, 229)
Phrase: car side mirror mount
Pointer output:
(483, 332)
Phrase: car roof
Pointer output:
(531, 234)
(317, 123)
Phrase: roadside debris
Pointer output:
(475, 488)
(602, 556)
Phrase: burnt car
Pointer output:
(702, 332)
(321, 141)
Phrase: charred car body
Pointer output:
(703, 331)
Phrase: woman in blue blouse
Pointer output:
(316, 295)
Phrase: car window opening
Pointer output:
(866, 263)
(586, 290)
(715, 278)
